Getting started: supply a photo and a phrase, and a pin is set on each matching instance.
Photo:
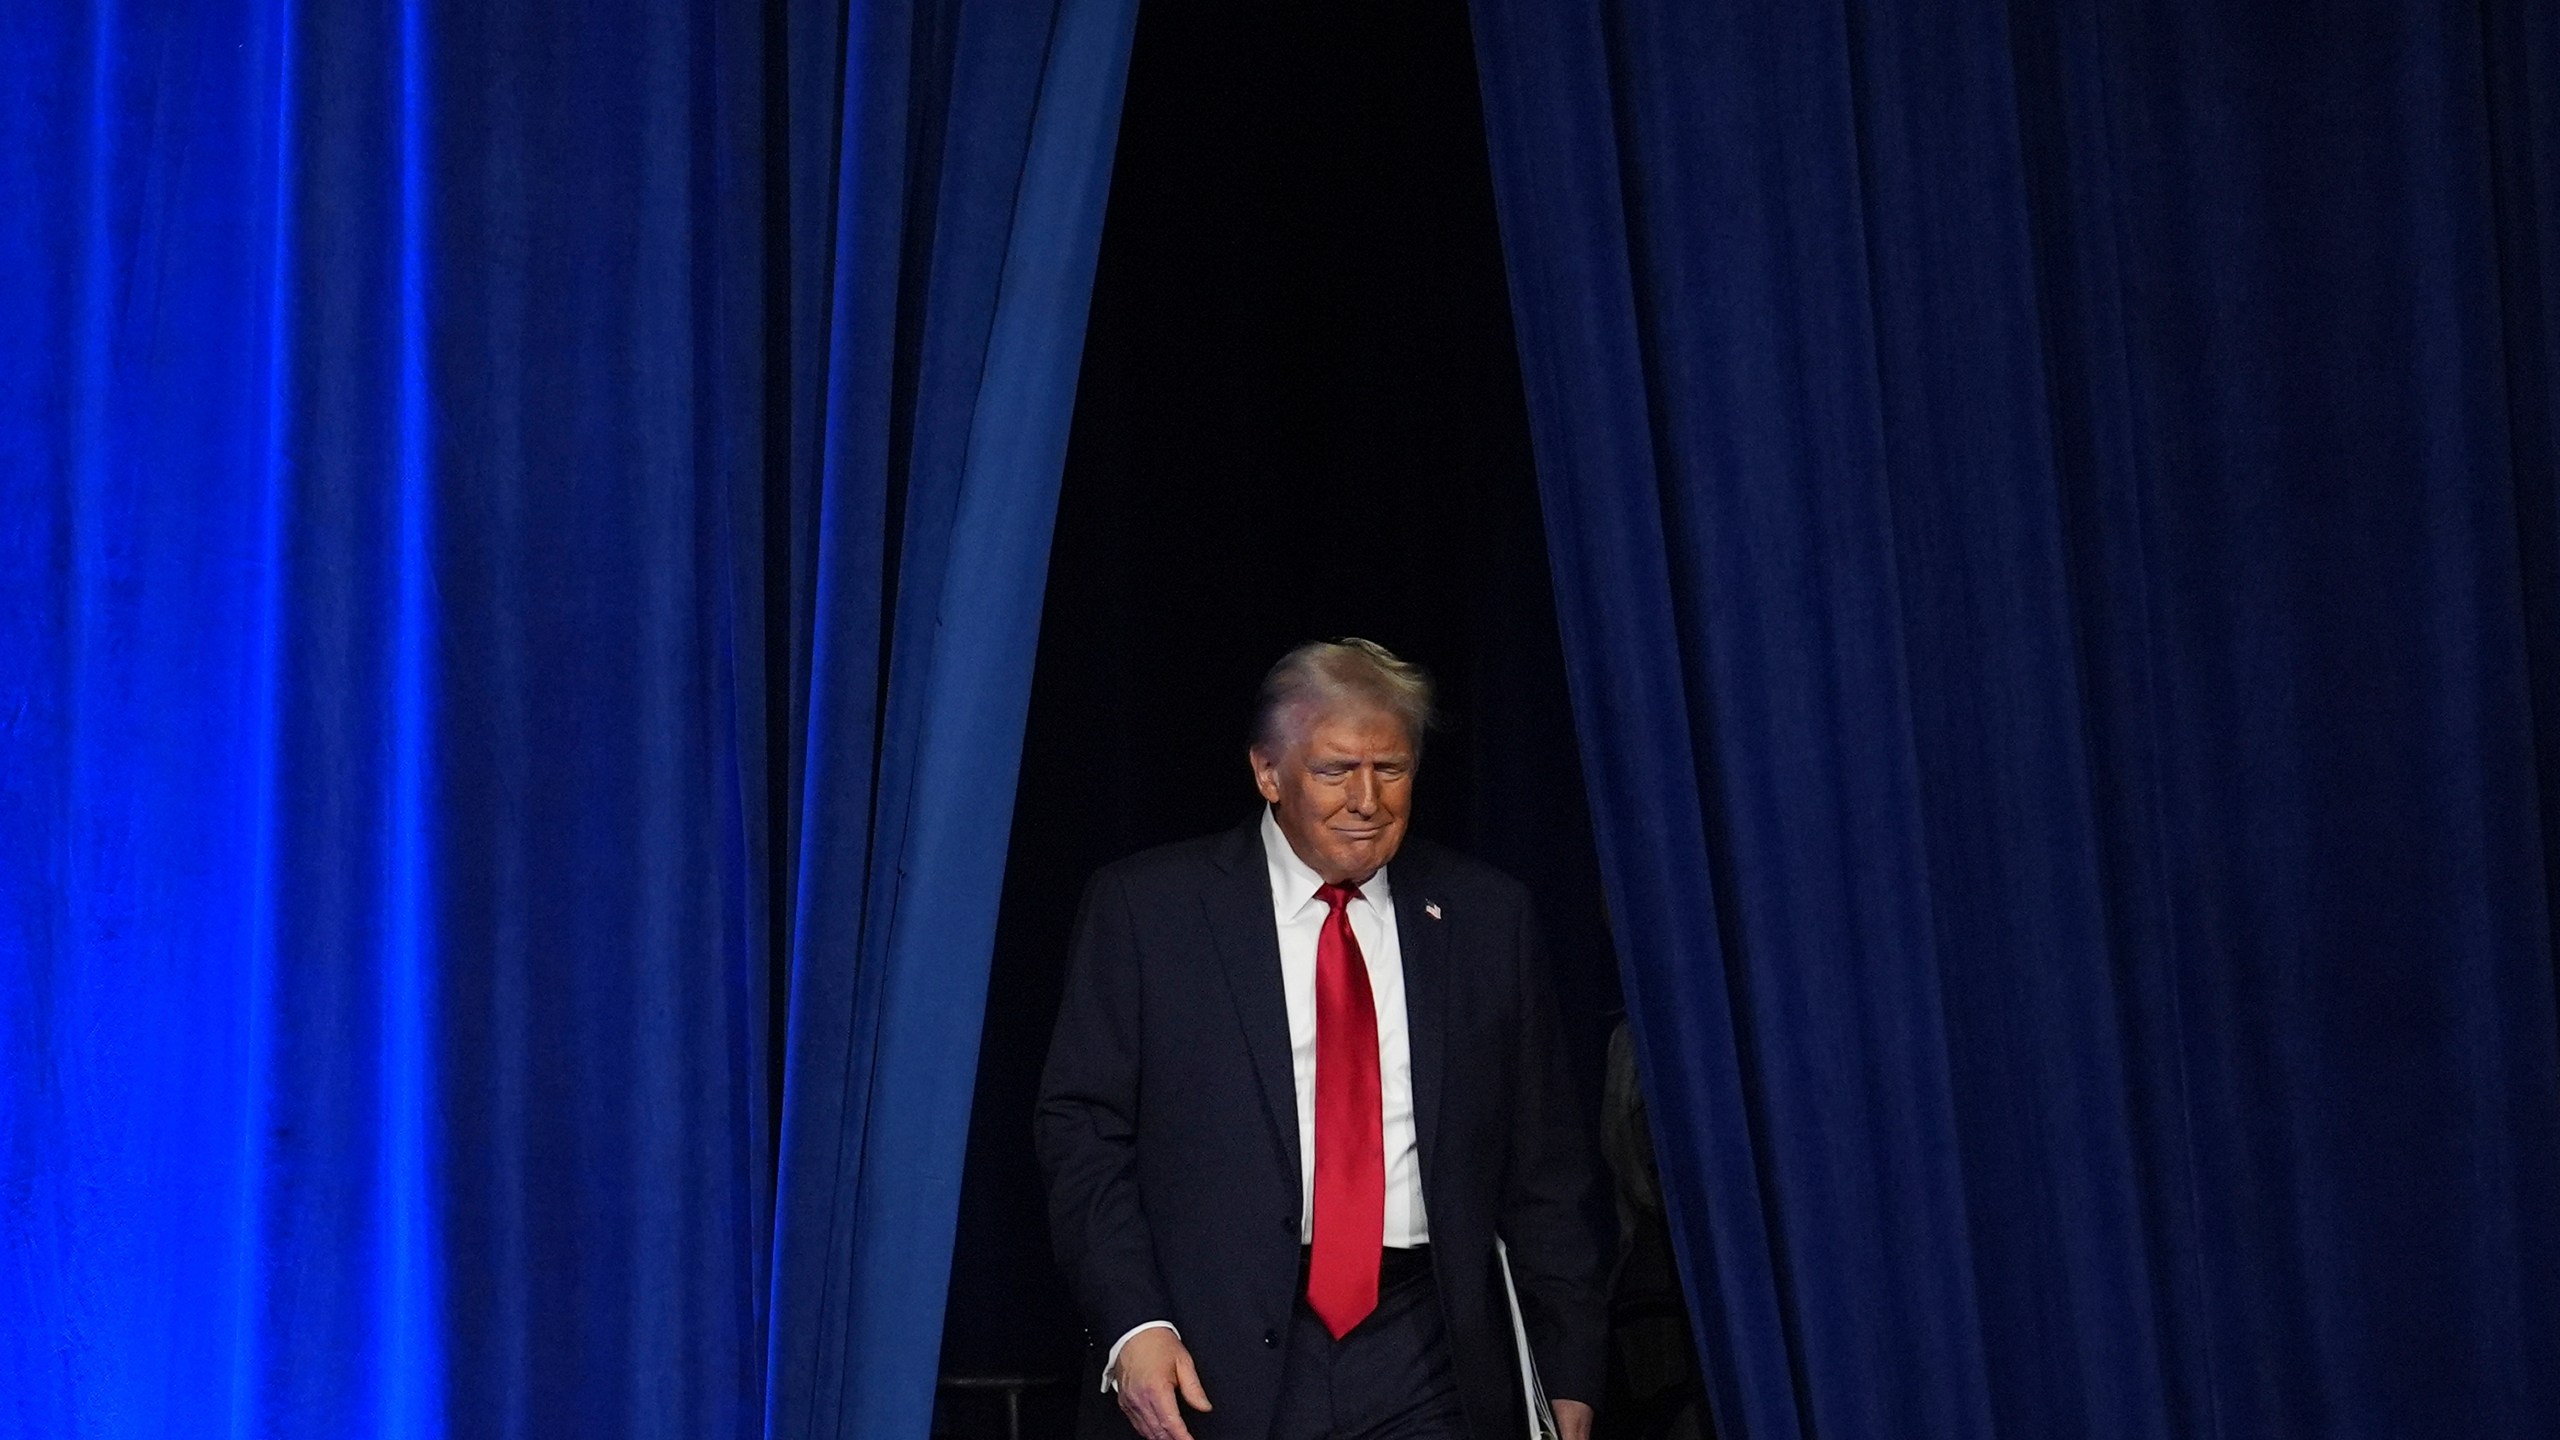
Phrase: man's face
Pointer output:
(1341, 787)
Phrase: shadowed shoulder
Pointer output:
(1444, 875)
(1454, 877)
(1182, 865)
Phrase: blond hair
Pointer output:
(1349, 673)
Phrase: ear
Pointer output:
(1266, 775)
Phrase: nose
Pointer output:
(1362, 793)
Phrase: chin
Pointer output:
(1342, 863)
(1368, 858)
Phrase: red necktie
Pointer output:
(1351, 1157)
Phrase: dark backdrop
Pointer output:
(1300, 416)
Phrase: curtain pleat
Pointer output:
(905, 823)
(2052, 533)
(521, 538)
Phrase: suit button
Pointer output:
(1270, 1339)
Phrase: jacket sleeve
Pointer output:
(1086, 1124)
(1548, 1194)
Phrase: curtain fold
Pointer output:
(904, 821)
(2053, 533)
(521, 536)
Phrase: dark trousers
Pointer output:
(1389, 1379)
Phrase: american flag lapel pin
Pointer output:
(1431, 908)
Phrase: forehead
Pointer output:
(1362, 731)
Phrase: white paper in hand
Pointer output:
(1542, 1416)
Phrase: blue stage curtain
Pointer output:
(2053, 512)
(951, 365)
(521, 537)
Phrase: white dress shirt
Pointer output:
(1300, 918)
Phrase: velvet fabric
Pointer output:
(2052, 512)
(522, 539)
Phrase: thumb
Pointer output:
(1189, 1378)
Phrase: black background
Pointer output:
(1299, 416)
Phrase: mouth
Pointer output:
(1358, 836)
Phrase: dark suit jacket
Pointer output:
(1168, 1127)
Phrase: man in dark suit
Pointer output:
(1295, 1093)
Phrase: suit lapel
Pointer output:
(1424, 939)
(1248, 940)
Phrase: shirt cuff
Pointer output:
(1111, 1362)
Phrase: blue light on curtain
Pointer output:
(903, 838)
(2054, 533)
(521, 531)
(410, 1360)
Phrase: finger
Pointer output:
(1137, 1398)
(1163, 1413)
(1189, 1375)
(1159, 1418)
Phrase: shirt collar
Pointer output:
(1294, 882)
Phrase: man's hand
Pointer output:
(1155, 1376)
(1573, 1419)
